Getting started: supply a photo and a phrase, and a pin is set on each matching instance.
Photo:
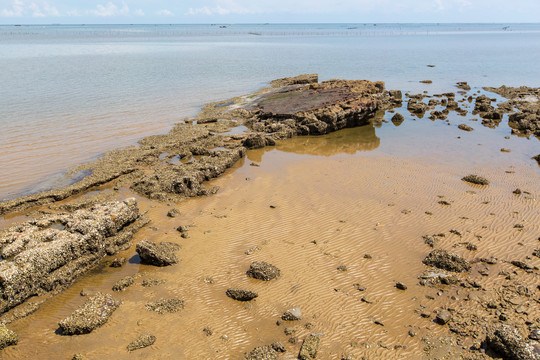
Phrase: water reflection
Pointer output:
(346, 141)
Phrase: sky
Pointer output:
(268, 11)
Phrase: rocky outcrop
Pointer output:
(49, 253)
(445, 260)
(309, 348)
(162, 254)
(263, 271)
(508, 342)
(93, 314)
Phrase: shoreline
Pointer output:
(263, 115)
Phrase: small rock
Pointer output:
(162, 254)
(475, 179)
(122, 284)
(118, 262)
(94, 313)
(141, 342)
(289, 331)
(504, 150)
(465, 127)
(263, 271)
(401, 286)
(262, 353)
(278, 347)
(367, 256)
(7, 337)
(426, 81)
(443, 317)
(342, 268)
(445, 260)
(517, 191)
(152, 282)
(241, 295)
(173, 213)
(208, 331)
(309, 348)
(77, 357)
(412, 333)
(165, 306)
(293, 314)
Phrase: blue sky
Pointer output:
(258, 11)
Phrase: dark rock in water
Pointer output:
(395, 94)
(416, 107)
(49, 253)
(262, 353)
(508, 342)
(505, 150)
(465, 127)
(397, 119)
(463, 85)
(241, 295)
(443, 317)
(426, 81)
(165, 306)
(309, 348)
(162, 254)
(263, 271)
(517, 191)
(401, 286)
(537, 158)
(94, 313)
(293, 314)
(475, 179)
(118, 262)
(122, 284)
(7, 337)
(141, 342)
(445, 260)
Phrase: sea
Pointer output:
(69, 93)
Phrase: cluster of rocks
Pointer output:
(47, 254)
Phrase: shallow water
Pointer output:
(69, 93)
(313, 204)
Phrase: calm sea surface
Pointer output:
(69, 93)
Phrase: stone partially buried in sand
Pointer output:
(309, 348)
(161, 254)
(93, 314)
(165, 306)
(141, 342)
(263, 271)
(475, 179)
(262, 353)
(241, 295)
(448, 261)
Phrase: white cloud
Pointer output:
(24, 8)
(165, 12)
(138, 12)
(111, 9)
(223, 7)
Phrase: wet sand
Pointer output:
(311, 205)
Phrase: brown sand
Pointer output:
(307, 215)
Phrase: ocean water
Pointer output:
(70, 93)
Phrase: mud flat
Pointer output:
(308, 247)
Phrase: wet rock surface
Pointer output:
(445, 260)
(7, 337)
(49, 253)
(263, 271)
(162, 254)
(475, 179)
(508, 342)
(165, 305)
(94, 313)
(241, 295)
(309, 348)
(141, 342)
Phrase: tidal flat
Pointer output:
(332, 220)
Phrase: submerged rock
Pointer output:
(475, 179)
(465, 127)
(123, 283)
(309, 348)
(162, 254)
(165, 306)
(141, 342)
(263, 271)
(397, 119)
(94, 313)
(7, 337)
(537, 158)
(509, 343)
(241, 295)
(445, 260)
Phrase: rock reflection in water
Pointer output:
(346, 141)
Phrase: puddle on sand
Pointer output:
(314, 204)
(237, 130)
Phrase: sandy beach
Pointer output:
(373, 248)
